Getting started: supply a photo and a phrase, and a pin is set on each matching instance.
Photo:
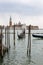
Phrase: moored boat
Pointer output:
(21, 35)
(37, 36)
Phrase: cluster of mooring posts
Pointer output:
(29, 42)
(4, 48)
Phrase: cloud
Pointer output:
(21, 9)
(25, 7)
(27, 2)
(27, 11)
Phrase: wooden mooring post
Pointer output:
(29, 42)
(5, 36)
(14, 35)
(1, 48)
(8, 38)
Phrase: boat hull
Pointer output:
(37, 36)
(21, 36)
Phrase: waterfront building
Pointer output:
(32, 27)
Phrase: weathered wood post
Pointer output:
(29, 41)
(14, 35)
(8, 38)
(5, 36)
(1, 48)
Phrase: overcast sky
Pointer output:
(25, 11)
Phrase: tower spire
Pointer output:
(10, 19)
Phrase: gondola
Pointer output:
(21, 35)
(37, 36)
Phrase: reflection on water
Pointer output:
(18, 55)
(29, 57)
(1, 61)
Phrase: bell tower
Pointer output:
(10, 22)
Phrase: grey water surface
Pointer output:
(17, 54)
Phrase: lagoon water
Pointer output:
(18, 55)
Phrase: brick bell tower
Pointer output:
(10, 22)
